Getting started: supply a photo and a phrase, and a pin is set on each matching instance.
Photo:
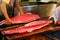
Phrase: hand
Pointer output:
(19, 13)
(53, 19)
(28, 13)
(8, 21)
(50, 17)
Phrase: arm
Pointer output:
(19, 8)
(4, 11)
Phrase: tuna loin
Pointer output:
(22, 19)
(29, 28)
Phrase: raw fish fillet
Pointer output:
(29, 28)
(22, 19)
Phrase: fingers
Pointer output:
(50, 17)
(8, 22)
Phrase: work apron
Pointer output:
(10, 10)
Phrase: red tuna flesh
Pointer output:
(22, 19)
(29, 28)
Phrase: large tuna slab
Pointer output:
(27, 27)
(22, 19)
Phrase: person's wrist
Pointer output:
(7, 19)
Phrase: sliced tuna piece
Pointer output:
(31, 27)
(22, 19)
